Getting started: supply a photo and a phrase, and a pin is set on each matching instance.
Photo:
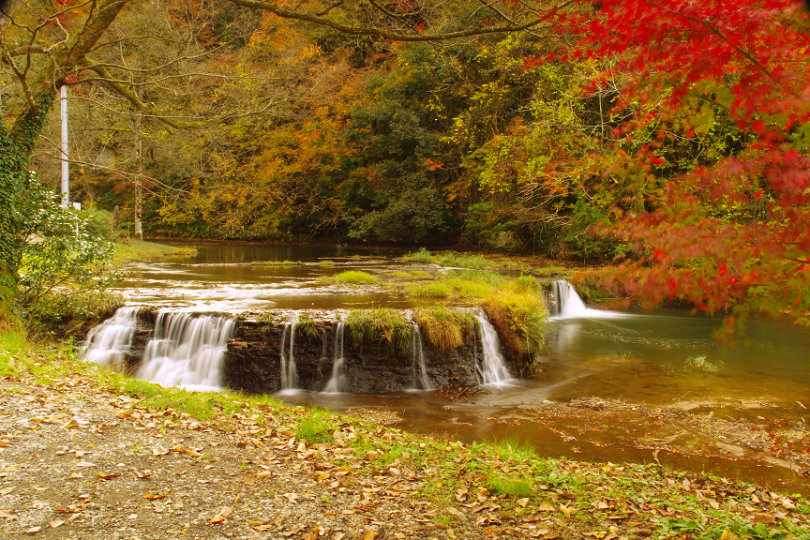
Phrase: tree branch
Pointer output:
(393, 35)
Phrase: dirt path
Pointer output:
(81, 463)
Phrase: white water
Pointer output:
(565, 303)
(492, 368)
(337, 382)
(289, 373)
(187, 351)
(110, 341)
(421, 379)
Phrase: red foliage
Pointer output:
(736, 232)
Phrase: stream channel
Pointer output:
(614, 387)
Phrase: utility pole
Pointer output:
(65, 149)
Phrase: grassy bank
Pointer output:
(131, 250)
(489, 489)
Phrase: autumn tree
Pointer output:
(42, 47)
(730, 83)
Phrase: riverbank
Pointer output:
(117, 457)
(131, 250)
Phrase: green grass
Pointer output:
(384, 326)
(132, 250)
(444, 328)
(507, 474)
(316, 427)
(509, 486)
(326, 263)
(352, 276)
(516, 307)
(285, 263)
(421, 256)
(307, 326)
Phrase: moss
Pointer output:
(383, 326)
(445, 329)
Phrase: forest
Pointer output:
(668, 145)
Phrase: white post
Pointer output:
(65, 149)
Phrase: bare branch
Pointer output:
(394, 35)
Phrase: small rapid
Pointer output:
(108, 343)
(337, 381)
(187, 351)
(565, 303)
(492, 367)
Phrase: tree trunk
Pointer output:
(138, 181)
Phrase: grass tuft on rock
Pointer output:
(445, 329)
(383, 326)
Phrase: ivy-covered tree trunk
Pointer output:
(40, 72)
(16, 145)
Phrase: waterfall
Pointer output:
(421, 379)
(289, 374)
(565, 303)
(492, 369)
(187, 351)
(337, 382)
(108, 343)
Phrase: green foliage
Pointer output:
(49, 249)
(383, 326)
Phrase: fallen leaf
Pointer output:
(85, 464)
(155, 497)
(6, 490)
(56, 523)
(371, 534)
(222, 516)
(33, 530)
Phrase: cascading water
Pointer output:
(565, 303)
(108, 343)
(187, 351)
(337, 382)
(421, 379)
(492, 368)
(289, 373)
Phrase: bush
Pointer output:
(47, 247)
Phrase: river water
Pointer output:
(662, 359)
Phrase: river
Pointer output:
(648, 369)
